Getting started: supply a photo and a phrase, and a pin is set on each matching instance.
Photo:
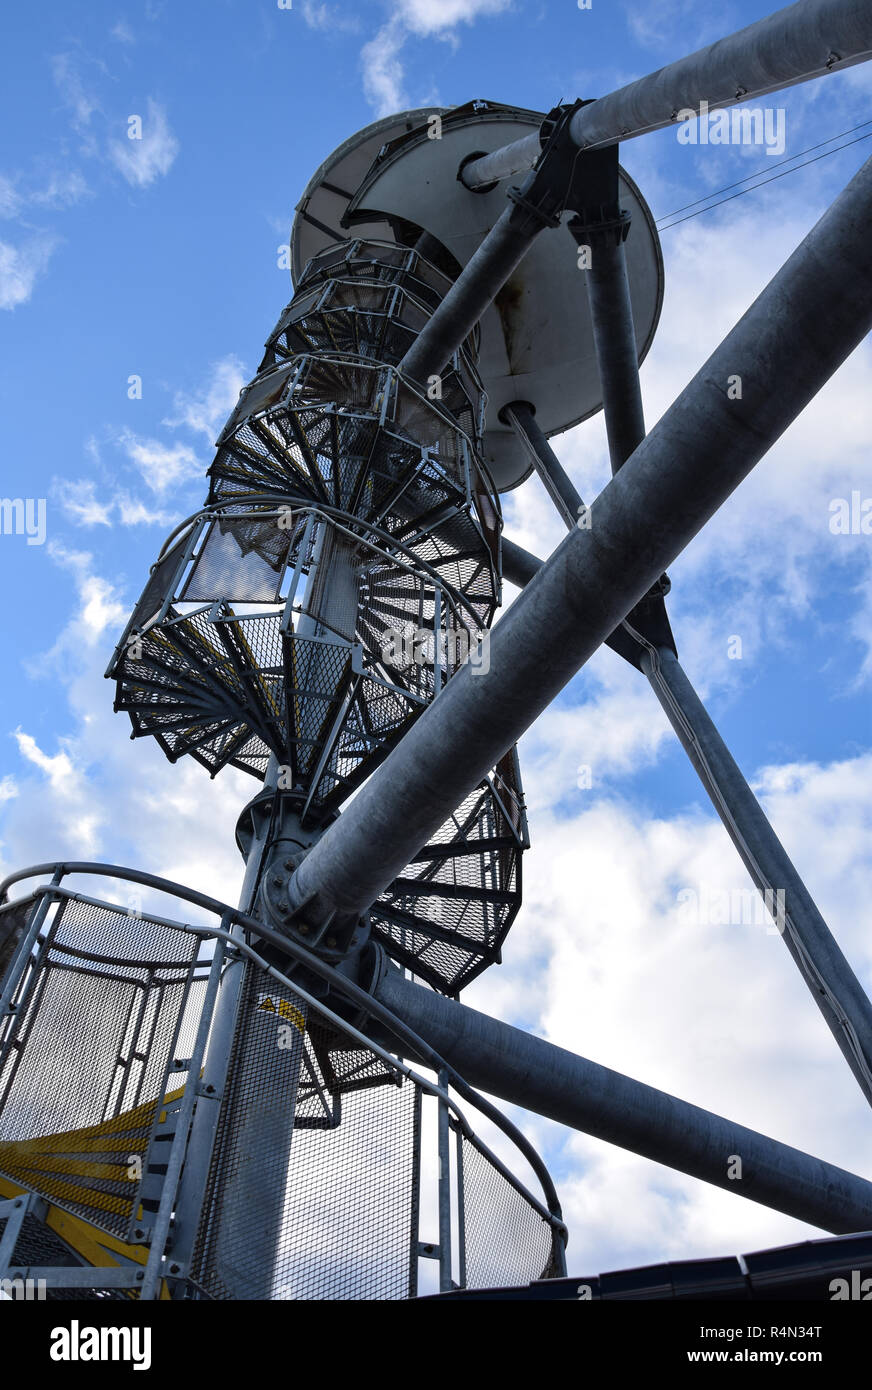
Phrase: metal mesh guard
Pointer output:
(321, 1182)
(109, 1002)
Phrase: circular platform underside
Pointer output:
(536, 339)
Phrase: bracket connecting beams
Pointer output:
(564, 179)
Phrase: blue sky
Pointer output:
(160, 258)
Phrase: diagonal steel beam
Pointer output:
(649, 616)
(834, 987)
(528, 1071)
(800, 329)
(792, 45)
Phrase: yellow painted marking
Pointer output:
(286, 1010)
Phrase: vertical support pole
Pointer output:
(438, 641)
(461, 1212)
(415, 1203)
(154, 1265)
(445, 1281)
(614, 335)
(217, 1064)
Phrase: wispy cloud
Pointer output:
(10, 198)
(63, 190)
(381, 58)
(152, 153)
(58, 767)
(76, 96)
(162, 466)
(661, 24)
(383, 73)
(132, 511)
(204, 411)
(8, 789)
(122, 33)
(80, 503)
(100, 607)
(329, 19)
(21, 266)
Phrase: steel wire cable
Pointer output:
(664, 225)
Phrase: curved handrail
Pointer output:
(551, 1212)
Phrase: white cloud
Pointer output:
(80, 503)
(603, 962)
(143, 160)
(329, 19)
(425, 17)
(205, 411)
(162, 466)
(59, 769)
(8, 788)
(122, 32)
(132, 511)
(383, 72)
(10, 198)
(100, 607)
(75, 95)
(63, 189)
(21, 266)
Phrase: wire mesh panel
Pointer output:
(110, 1002)
(449, 912)
(504, 1238)
(241, 560)
(338, 1192)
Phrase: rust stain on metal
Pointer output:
(508, 306)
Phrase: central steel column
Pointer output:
(244, 1231)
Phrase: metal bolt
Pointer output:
(289, 865)
(277, 881)
(283, 908)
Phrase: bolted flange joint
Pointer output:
(333, 938)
